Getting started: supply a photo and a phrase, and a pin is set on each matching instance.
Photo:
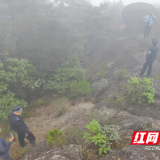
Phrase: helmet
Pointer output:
(154, 41)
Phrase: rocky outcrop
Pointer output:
(127, 122)
(42, 152)
(133, 14)
(134, 153)
(129, 117)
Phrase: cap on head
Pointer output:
(17, 109)
(154, 41)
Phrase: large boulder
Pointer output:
(133, 14)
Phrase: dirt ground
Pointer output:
(46, 118)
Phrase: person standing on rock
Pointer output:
(149, 23)
(4, 148)
(150, 58)
(17, 124)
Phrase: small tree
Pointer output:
(55, 138)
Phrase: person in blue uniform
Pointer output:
(150, 58)
(4, 148)
(17, 124)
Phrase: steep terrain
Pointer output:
(127, 54)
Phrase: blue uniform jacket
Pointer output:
(152, 54)
(4, 147)
(17, 124)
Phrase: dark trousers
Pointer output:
(147, 31)
(6, 157)
(145, 65)
(30, 137)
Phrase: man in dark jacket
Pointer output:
(4, 149)
(150, 57)
(17, 124)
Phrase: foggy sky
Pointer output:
(125, 2)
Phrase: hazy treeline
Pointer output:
(45, 33)
(38, 36)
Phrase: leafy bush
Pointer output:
(70, 71)
(96, 136)
(81, 88)
(111, 132)
(20, 72)
(40, 101)
(140, 90)
(55, 138)
(102, 137)
(16, 78)
(7, 102)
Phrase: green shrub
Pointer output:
(81, 88)
(17, 77)
(96, 136)
(65, 75)
(111, 132)
(40, 101)
(101, 137)
(140, 90)
(21, 72)
(7, 102)
(55, 138)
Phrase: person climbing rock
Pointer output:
(4, 148)
(150, 58)
(17, 124)
(149, 23)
